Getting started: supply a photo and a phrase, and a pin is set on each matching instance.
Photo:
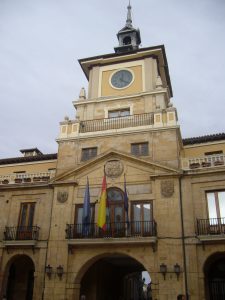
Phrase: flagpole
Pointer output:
(107, 207)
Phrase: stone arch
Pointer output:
(10, 268)
(98, 257)
(213, 284)
(98, 275)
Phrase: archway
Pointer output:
(115, 277)
(215, 277)
(19, 278)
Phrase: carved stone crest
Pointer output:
(114, 168)
(62, 196)
(167, 188)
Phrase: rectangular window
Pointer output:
(88, 153)
(78, 228)
(216, 206)
(139, 149)
(25, 224)
(142, 218)
(119, 113)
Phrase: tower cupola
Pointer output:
(129, 38)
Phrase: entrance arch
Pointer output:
(113, 277)
(214, 270)
(19, 278)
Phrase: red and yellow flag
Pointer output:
(102, 206)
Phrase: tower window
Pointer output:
(88, 153)
(119, 113)
(127, 40)
(139, 149)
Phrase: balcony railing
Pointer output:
(21, 233)
(203, 162)
(113, 230)
(20, 178)
(213, 226)
(116, 123)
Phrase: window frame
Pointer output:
(142, 230)
(140, 150)
(216, 197)
(119, 110)
(88, 156)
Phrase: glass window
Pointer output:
(139, 149)
(216, 204)
(88, 153)
(119, 113)
(141, 218)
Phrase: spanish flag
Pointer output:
(102, 206)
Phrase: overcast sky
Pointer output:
(41, 41)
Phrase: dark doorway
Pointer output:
(20, 281)
(114, 278)
(215, 279)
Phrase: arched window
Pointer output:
(127, 40)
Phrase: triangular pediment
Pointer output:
(129, 164)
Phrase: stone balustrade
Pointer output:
(21, 178)
(210, 161)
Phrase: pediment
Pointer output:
(128, 164)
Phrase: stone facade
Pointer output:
(167, 183)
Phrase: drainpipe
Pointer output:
(183, 238)
(46, 254)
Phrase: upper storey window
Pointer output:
(139, 149)
(216, 204)
(119, 113)
(88, 153)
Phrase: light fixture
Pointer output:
(177, 270)
(163, 270)
(59, 271)
(48, 271)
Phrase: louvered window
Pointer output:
(139, 149)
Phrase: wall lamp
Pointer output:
(60, 271)
(48, 271)
(177, 270)
(163, 270)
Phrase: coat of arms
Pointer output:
(113, 168)
(167, 188)
(62, 196)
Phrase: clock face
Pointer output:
(121, 79)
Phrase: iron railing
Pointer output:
(213, 226)
(113, 230)
(20, 233)
(116, 123)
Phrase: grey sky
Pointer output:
(40, 42)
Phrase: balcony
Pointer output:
(116, 123)
(211, 229)
(23, 178)
(205, 162)
(115, 233)
(21, 235)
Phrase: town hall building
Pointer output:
(173, 224)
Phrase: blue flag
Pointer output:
(126, 201)
(86, 218)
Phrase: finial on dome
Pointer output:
(129, 18)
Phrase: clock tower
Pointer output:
(128, 102)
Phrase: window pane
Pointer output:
(114, 195)
(147, 212)
(31, 214)
(113, 114)
(211, 205)
(144, 149)
(137, 212)
(221, 198)
(125, 113)
(23, 215)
